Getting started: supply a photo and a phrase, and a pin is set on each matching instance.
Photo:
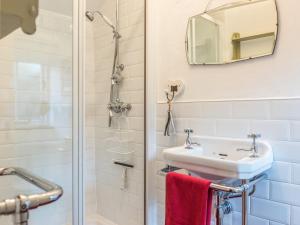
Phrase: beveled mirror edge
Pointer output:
(239, 60)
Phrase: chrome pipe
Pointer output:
(219, 219)
(117, 68)
(8, 207)
(241, 190)
(21, 218)
(219, 187)
(245, 204)
(91, 16)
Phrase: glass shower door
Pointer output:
(114, 112)
(36, 101)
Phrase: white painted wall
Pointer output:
(276, 201)
(59, 6)
(260, 78)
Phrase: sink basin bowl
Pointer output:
(219, 158)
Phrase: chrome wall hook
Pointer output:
(170, 119)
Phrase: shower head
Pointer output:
(91, 16)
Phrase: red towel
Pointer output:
(188, 200)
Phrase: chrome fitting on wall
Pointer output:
(21, 215)
(225, 208)
(119, 107)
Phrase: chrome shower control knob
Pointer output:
(126, 107)
(254, 147)
(117, 78)
(121, 67)
(254, 136)
(188, 141)
(188, 131)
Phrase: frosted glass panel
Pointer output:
(36, 111)
(114, 193)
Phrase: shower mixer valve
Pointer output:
(121, 67)
(119, 107)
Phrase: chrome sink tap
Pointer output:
(254, 147)
(188, 142)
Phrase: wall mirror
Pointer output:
(232, 32)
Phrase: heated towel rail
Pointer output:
(20, 206)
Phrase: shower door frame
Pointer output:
(78, 112)
(79, 28)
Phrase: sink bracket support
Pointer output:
(245, 198)
(241, 190)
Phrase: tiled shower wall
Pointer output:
(123, 207)
(90, 127)
(36, 112)
(277, 200)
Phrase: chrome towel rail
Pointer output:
(220, 187)
(23, 203)
(241, 190)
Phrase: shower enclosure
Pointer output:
(72, 110)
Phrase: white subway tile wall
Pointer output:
(36, 112)
(277, 200)
(90, 128)
(123, 207)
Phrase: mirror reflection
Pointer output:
(232, 32)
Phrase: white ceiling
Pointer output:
(95, 4)
(59, 6)
(66, 6)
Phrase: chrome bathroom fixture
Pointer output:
(188, 142)
(175, 88)
(224, 192)
(115, 105)
(170, 120)
(254, 147)
(22, 204)
(91, 16)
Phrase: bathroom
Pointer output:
(118, 112)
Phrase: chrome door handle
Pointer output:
(22, 203)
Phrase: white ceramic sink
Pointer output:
(220, 158)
